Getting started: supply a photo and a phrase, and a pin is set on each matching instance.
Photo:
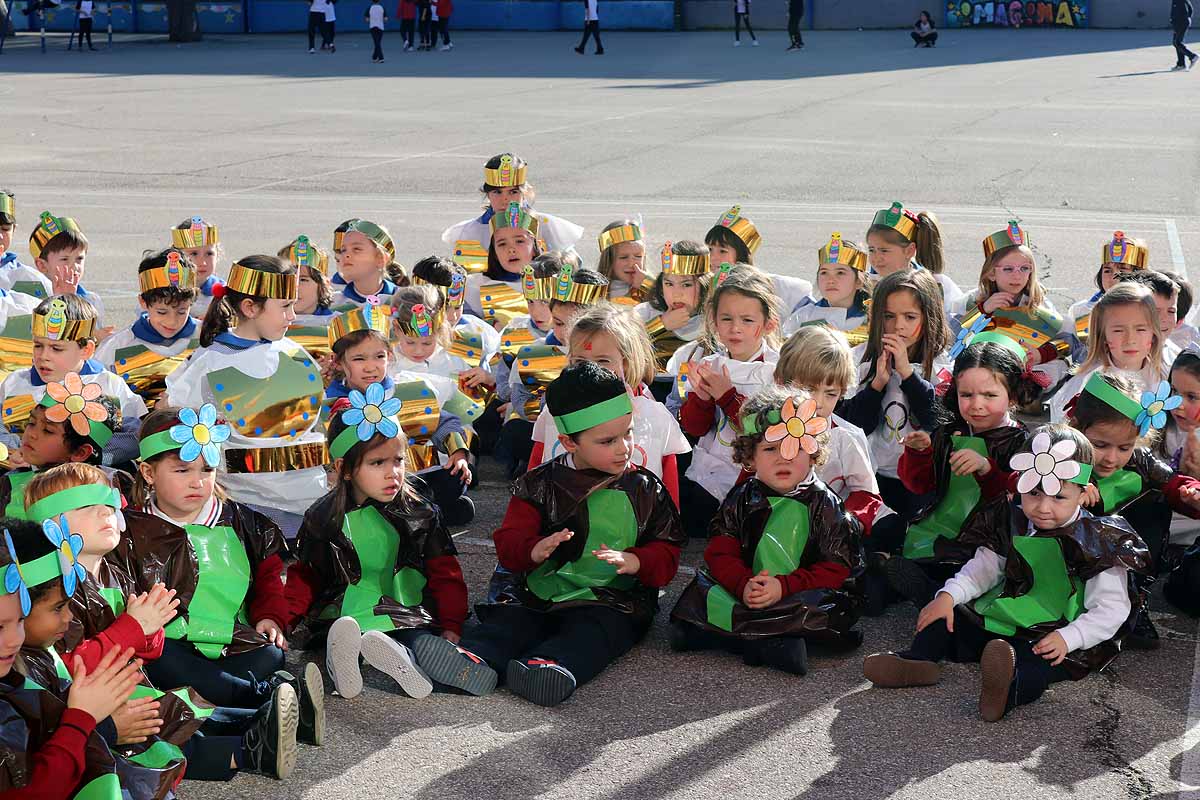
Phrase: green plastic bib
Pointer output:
(946, 520)
(1055, 595)
(221, 588)
(611, 521)
(106, 787)
(778, 552)
(1118, 488)
(115, 599)
(16, 501)
(376, 543)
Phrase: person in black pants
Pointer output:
(591, 27)
(1181, 20)
(316, 22)
(923, 33)
(795, 14)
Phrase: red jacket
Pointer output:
(406, 10)
(444, 8)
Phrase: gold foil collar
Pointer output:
(145, 371)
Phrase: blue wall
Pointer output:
(276, 16)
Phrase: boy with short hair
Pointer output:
(14, 275)
(59, 251)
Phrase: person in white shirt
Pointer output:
(85, 9)
(376, 17)
(330, 27)
(1048, 601)
(316, 22)
(591, 26)
(741, 13)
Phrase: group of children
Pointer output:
(320, 414)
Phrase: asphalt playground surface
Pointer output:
(1076, 134)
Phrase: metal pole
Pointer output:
(42, 23)
(75, 27)
(109, 5)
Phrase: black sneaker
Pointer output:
(459, 511)
(787, 654)
(1144, 635)
(909, 580)
(579, 50)
(447, 663)
(677, 637)
(311, 691)
(540, 681)
(269, 747)
(875, 584)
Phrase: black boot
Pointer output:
(787, 654)
(269, 747)
(910, 581)
(310, 690)
(876, 586)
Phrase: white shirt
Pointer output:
(318, 6)
(375, 14)
(590, 13)
(1144, 379)
(85, 9)
(330, 13)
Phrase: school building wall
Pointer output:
(280, 16)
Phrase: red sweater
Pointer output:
(267, 599)
(916, 473)
(724, 559)
(56, 769)
(697, 416)
(521, 530)
(124, 632)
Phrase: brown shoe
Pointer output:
(998, 664)
(893, 671)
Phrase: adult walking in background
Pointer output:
(741, 13)
(443, 9)
(1181, 20)
(591, 26)
(330, 29)
(795, 14)
(316, 22)
(923, 34)
(407, 11)
(376, 18)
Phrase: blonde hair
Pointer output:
(760, 405)
(324, 286)
(403, 301)
(748, 281)
(637, 353)
(814, 356)
(987, 286)
(608, 256)
(1124, 293)
(62, 477)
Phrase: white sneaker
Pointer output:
(755, 42)
(1178, 68)
(1192, 62)
(342, 649)
(407, 47)
(736, 43)
(446, 48)
(396, 661)
(310, 50)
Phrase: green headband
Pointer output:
(157, 443)
(98, 432)
(90, 494)
(1004, 341)
(1102, 390)
(593, 415)
(750, 422)
(342, 443)
(40, 570)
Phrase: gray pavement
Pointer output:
(1075, 133)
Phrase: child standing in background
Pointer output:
(376, 18)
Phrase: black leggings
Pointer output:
(377, 38)
(591, 28)
(442, 27)
(234, 681)
(85, 29)
(407, 28)
(794, 17)
(697, 508)
(1181, 49)
(738, 18)
(211, 750)
(316, 22)
(929, 38)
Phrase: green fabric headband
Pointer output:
(98, 432)
(1102, 390)
(1004, 341)
(157, 443)
(593, 415)
(40, 570)
(90, 494)
(342, 443)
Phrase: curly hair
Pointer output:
(765, 405)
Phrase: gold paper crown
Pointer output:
(534, 288)
(565, 290)
(175, 275)
(899, 219)
(257, 283)
(1124, 251)
(376, 233)
(742, 228)
(420, 322)
(515, 217)
(340, 233)
(1012, 236)
(199, 234)
(8, 204)
(507, 174)
(47, 228)
(303, 253)
(839, 252)
(372, 317)
(631, 232)
(55, 325)
(674, 264)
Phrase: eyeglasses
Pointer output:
(1023, 270)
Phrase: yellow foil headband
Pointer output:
(742, 228)
(175, 275)
(370, 317)
(257, 283)
(55, 325)
(507, 174)
(198, 235)
(619, 235)
(675, 264)
(839, 252)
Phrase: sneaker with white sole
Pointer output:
(755, 42)
(446, 662)
(446, 48)
(397, 662)
(736, 43)
(342, 649)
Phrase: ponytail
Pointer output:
(929, 243)
(219, 317)
(395, 273)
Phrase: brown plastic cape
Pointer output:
(29, 716)
(560, 494)
(817, 614)
(1090, 546)
(986, 524)
(331, 555)
(91, 616)
(1155, 474)
(154, 550)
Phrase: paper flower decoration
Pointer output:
(967, 334)
(69, 545)
(1155, 406)
(76, 402)
(199, 434)
(372, 413)
(14, 581)
(797, 428)
(1048, 465)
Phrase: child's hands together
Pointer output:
(999, 300)
(136, 720)
(694, 381)
(547, 544)
(108, 687)
(270, 628)
(940, 607)
(477, 376)
(762, 591)
(152, 609)
(1053, 648)
(626, 563)
(895, 346)
(918, 440)
(968, 462)
(715, 382)
(883, 370)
